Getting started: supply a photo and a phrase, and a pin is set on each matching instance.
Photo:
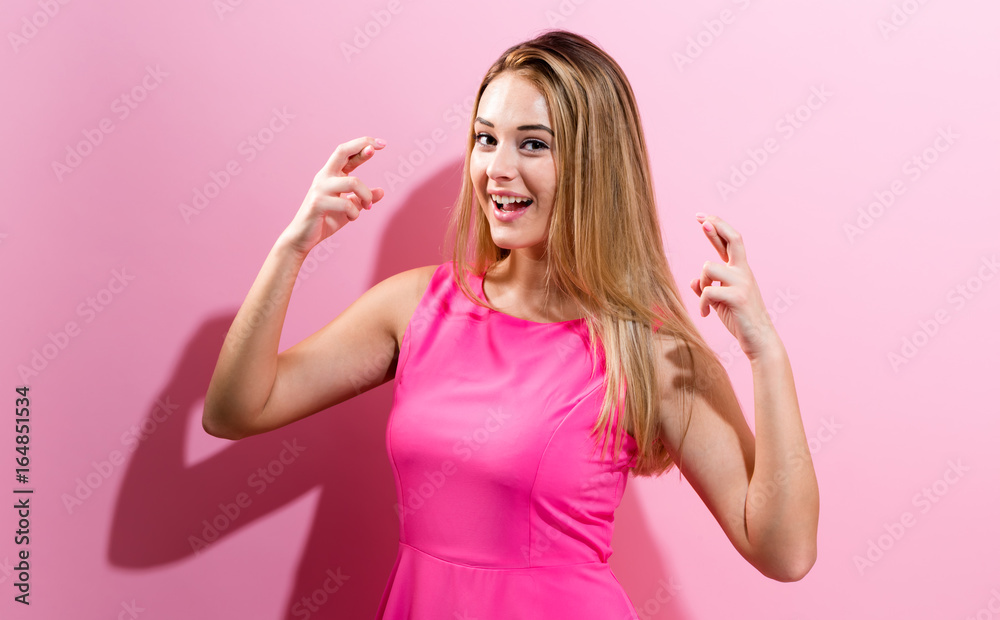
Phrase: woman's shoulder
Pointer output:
(411, 284)
(407, 289)
(674, 359)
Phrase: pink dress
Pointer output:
(506, 510)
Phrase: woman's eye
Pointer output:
(539, 145)
(535, 144)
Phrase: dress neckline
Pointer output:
(482, 295)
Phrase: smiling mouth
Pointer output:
(512, 206)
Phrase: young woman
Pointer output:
(555, 329)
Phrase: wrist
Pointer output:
(287, 248)
(768, 349)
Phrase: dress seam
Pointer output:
(404, 344)
(503, 568)
(541, 457)
(404, 356)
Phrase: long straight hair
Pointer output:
(604, 245)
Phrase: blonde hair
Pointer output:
(604, 246)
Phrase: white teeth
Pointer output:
(502, 200)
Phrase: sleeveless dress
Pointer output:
(505, 505)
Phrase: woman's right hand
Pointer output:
(334, 198)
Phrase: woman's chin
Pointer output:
(510, 243)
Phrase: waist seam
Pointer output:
(595, 563)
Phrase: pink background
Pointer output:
(844, 304)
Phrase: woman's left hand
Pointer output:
(737, 299)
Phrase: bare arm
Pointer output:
(247, 364)
(782, 505)
(249, 367)
(763, 489)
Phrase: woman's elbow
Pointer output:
(791, 568)
(212, 421)
(213, 429)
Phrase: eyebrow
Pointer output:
(479, 119)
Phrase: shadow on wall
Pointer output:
(354, 535)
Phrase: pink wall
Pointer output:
(888, 313)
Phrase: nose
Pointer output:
(503, 163)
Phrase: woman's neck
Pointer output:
(516, 285)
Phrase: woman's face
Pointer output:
(512, 156)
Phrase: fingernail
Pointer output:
(707, 226)
(700, 215)
(368, 150)
(380, 141)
